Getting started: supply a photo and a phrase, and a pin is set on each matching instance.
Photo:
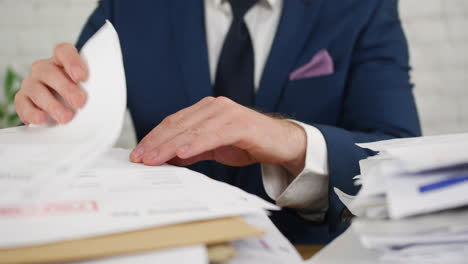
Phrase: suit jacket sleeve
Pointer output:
(378, 105)
(95, 22)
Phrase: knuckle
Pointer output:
(36, 66)
(173, 121)
(27, 85)
(36, 88)
(167, 122)
(45, 73)
(207, 99)
(224, 101)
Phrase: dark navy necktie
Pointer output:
(235, 72)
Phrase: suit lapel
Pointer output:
(190, 40)
(297, 21)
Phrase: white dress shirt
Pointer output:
(309, 190)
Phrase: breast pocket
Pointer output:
(314, 100)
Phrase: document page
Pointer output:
(272, 248)
(115, 195)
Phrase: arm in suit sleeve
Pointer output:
(95, 21)
(378, 104)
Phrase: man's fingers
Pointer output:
(67, 56)
(207, 125)
(205, 137)
(43, 98)
(55, 78)
(59, 75)
(28, 112)
(171, 127)
(168, 150)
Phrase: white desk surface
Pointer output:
(345, 249)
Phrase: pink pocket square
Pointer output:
(320, 64)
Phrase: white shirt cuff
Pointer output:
(307, 192)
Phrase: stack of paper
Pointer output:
(66, 195)
(413, 203)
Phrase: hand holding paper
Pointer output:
(51, 150)
(35, 102)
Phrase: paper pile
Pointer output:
(62, 183)
(413, 203)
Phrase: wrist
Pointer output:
(297, 143)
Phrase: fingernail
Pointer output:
(137, 153)
(77, 73)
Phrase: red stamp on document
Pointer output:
(47, 209)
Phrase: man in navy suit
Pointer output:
(202, 73)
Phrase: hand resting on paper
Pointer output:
(36, 101)
(220, 129)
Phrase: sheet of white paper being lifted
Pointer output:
(39, 155)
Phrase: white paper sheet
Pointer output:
(41, 155)
(423, 153)
(449, 221)
(405, 198)
(185, 255)
(389, 242)
(115, 195)
(345, 198)
(407, 190)
(272, 248)
(447, 254)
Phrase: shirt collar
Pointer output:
(267, 3)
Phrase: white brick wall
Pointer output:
(437, 31)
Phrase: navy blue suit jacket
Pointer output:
(368, 98)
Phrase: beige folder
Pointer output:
(200, 232)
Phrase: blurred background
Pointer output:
(437, 32)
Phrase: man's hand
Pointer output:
(36, 101)
(222, 130)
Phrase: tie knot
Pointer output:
(240, 7)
